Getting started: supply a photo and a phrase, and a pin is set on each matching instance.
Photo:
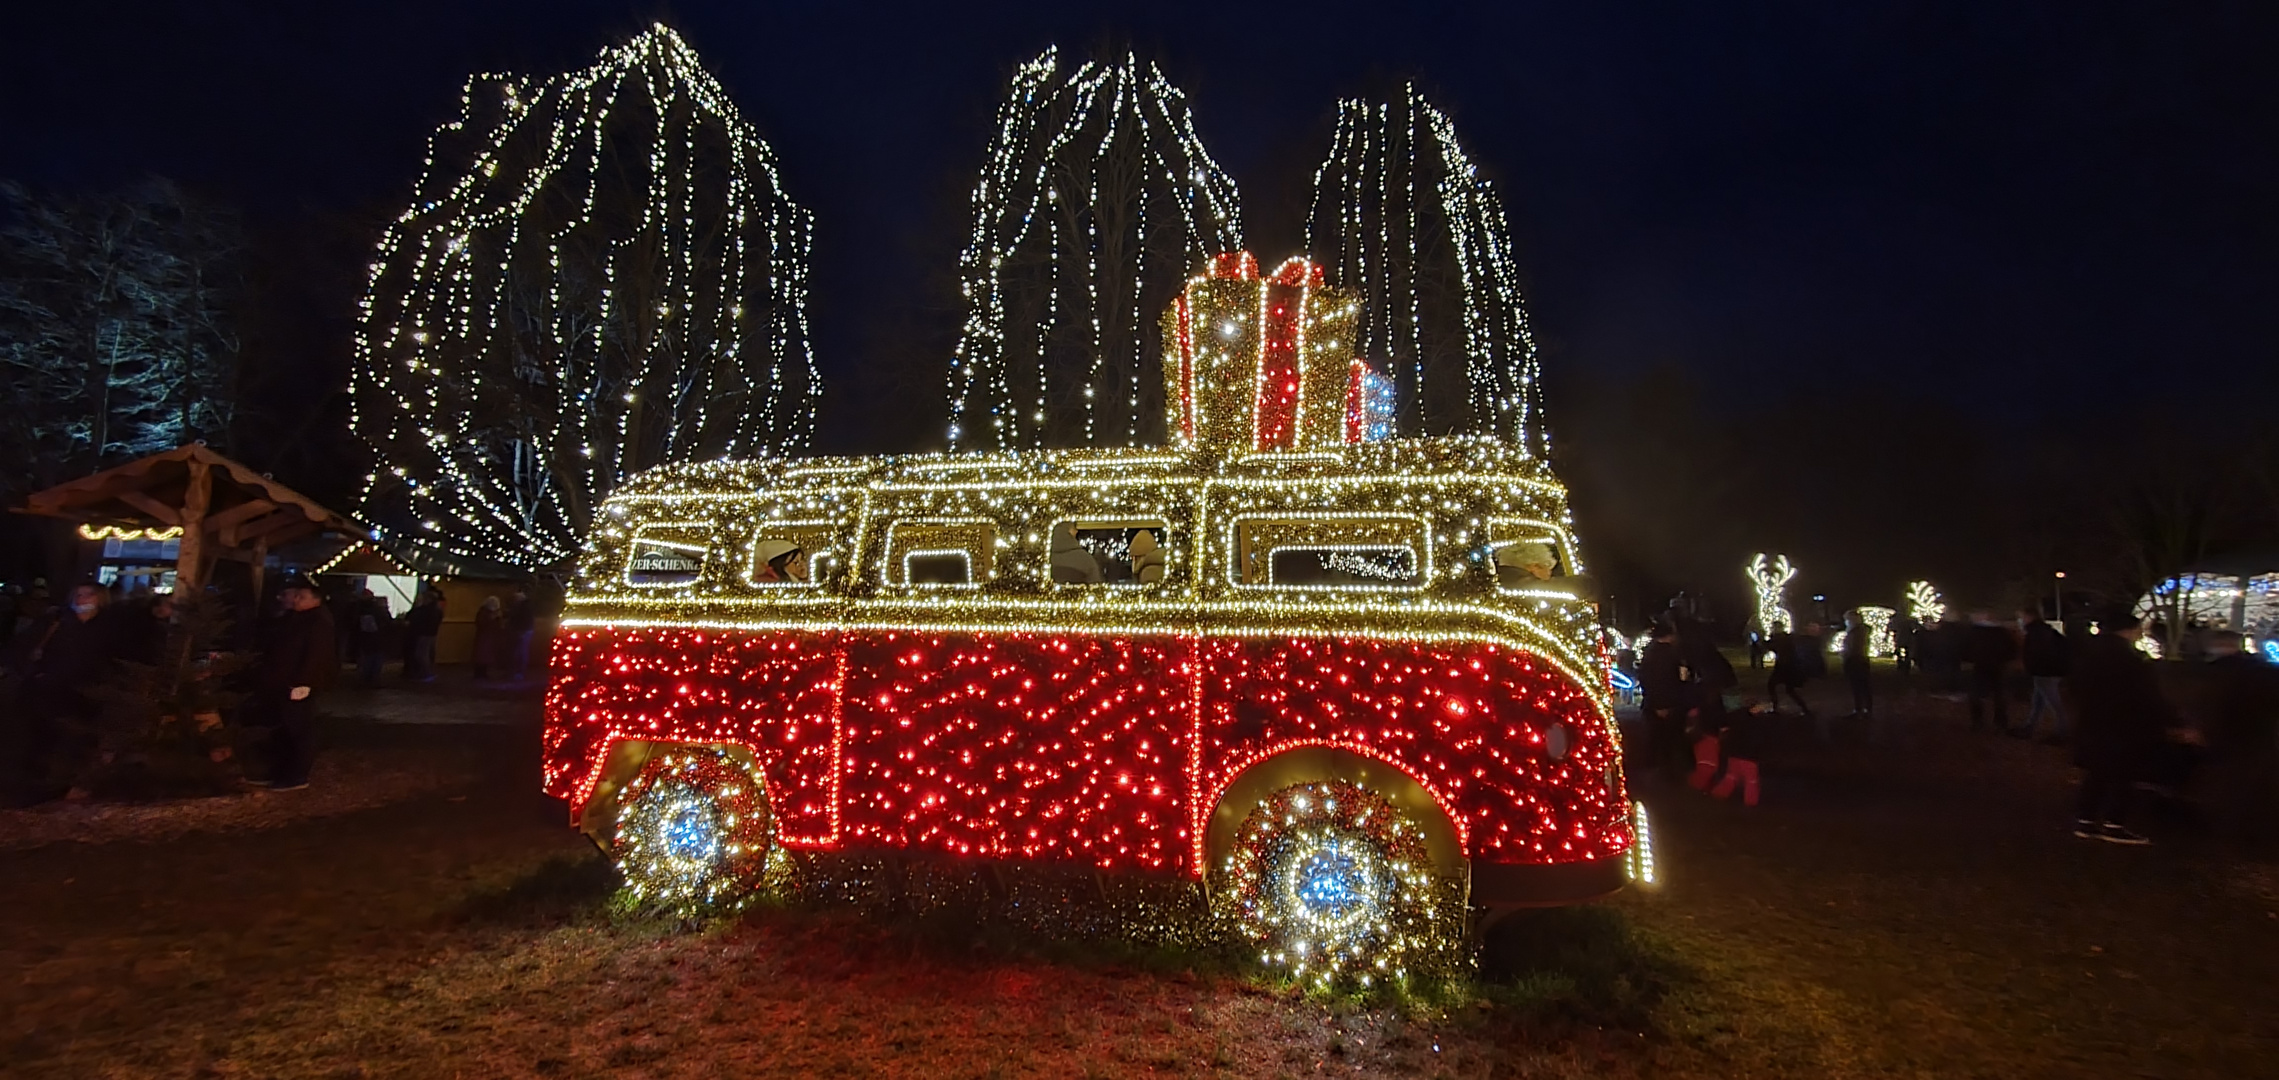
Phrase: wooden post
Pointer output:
(190, 562)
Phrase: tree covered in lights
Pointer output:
(1096, 204)
(598, 273)
(1402, 217)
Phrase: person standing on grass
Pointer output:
(2122, 722)
(1788, 671)
(1664, 699)
(521, 622)
(64, 656)
(1989, 649)
(1903, 627)
(300, 662)
(2048, 656)
(2242, 725)
(1858, 640)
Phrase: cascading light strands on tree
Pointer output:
(1768, 579)
(1402, 218)
(1096, 204)
(600, 273)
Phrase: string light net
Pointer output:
(694, 832)
(1095, 204)
(1333, 883)
(598, 273)
(1402, 217)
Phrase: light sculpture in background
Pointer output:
(1881, 642)
(1769, 578)
(599, 273)
(1402, 218)
(1924, 604)
(1096, 203)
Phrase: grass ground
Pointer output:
(1913, 911)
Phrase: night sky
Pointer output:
(2016, 213)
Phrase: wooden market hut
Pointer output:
(213, 507)
(398, 571)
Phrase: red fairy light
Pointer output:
(867, 742)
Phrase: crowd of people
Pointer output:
(58, 659)
(2205, 730)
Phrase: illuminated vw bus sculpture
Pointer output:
(1343, 685)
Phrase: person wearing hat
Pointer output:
(299, 664)
(781, 560)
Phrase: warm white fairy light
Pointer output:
(1090, 165)
(600, 272)
(1640, 860)
(1402, 217)
(1880, 639)
(1334, 885)
(1924, 604)
(1769, 579)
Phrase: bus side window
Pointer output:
(666, 555)
(1522, 562)
(1332, 552)
(1108, 552)
(937, 553)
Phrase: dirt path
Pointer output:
(1909, 912)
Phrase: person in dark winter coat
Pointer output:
(1788, 670)
(2242, 728)
(1859, 642)
(1989, 649)
(2047, 656)
(2123, 720)
(420, 630)
(1742, 742)
(371, 633)
(1664, 701)
(1705, 667)
(300, 662)
(1903, 642)
(64, 656)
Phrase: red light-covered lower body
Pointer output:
(1105, 750)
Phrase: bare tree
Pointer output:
(115, 338)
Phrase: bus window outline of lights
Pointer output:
(644, 536)
(1504, 531)
(1083, 523)
(1237, 573)
(822, 561)
(978, 550)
